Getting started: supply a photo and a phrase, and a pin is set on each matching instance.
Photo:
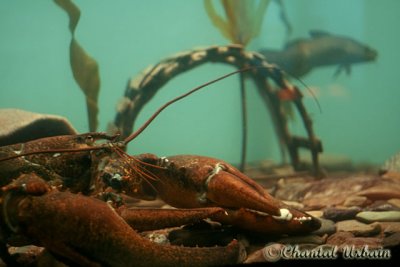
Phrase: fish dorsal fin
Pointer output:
(319, 33)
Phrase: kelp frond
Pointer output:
(84, 68)
(243, 19)
(217, 20)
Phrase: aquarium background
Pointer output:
(360, 112)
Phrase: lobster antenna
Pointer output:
(310, 91)
(56, 150)
(147, 123)
(137, 132)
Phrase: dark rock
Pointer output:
(339, 214)
(327, 227)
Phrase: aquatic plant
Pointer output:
(243, 24)
(243, 19)
(84, 68)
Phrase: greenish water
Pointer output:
(360, 117)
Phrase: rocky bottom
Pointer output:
(359, 211)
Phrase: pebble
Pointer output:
(392, 164)
(390, 227)
(392, 240)
(256, 257)
(339, 238)
(391, 175)
(262, 255)
(381, 216)
(395, 202)
(27, 255)
(158, 238)
(351, 201)
(294, 204)
(327, 227)
(357, 228)
(316, 213)
(342, 239)
(382, 192)
(381, 205)
(340, 214)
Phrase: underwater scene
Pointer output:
(198, 133)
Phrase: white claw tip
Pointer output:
(303, 219)
(285, 215)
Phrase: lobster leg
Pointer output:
(88, 231)
(152, 219)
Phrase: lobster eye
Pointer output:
(89, 140)
(113, 180)
(106, 177)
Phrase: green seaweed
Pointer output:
(243, 19)
(84, 68)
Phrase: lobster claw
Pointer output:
(227, 187)
(259, 222)
(188, 181)
(195, 181)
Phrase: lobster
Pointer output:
(64, 193)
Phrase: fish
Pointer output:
(302, 55)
